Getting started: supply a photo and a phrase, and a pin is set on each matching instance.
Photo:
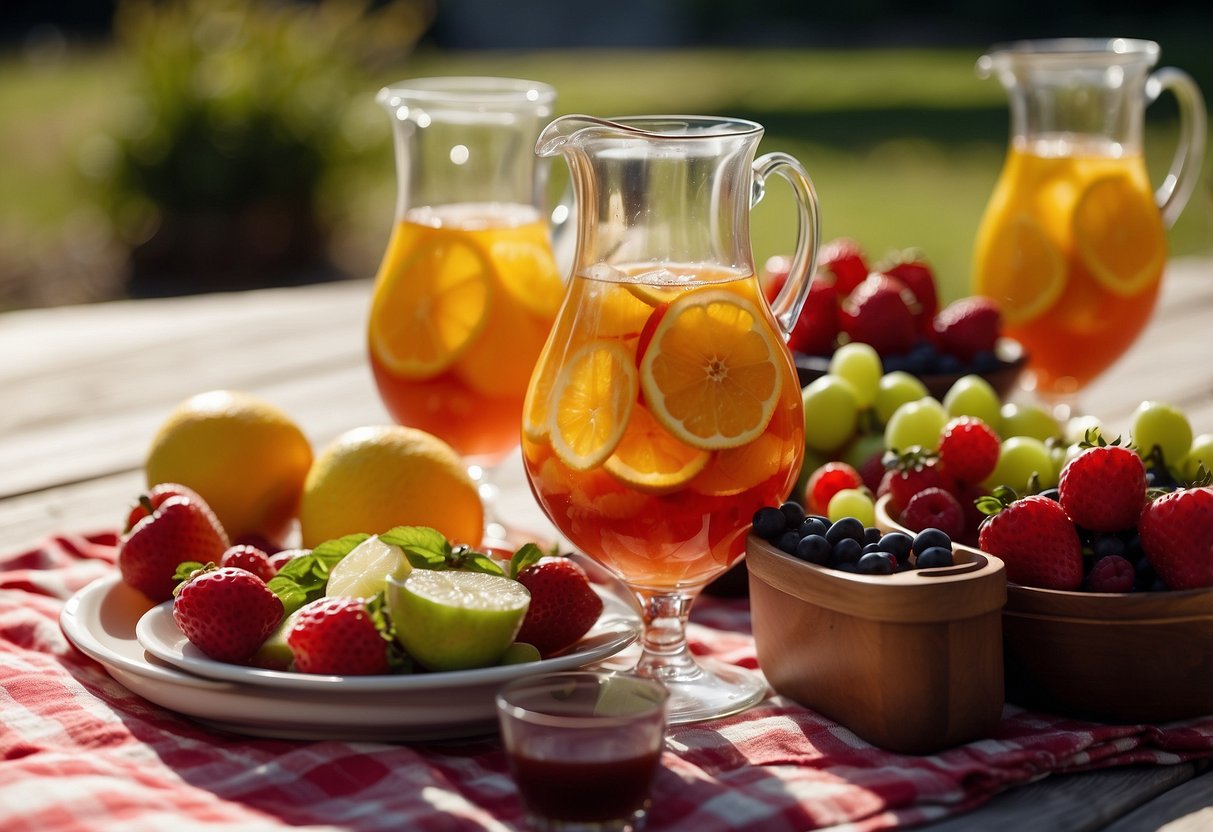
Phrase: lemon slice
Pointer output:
(1119, 235)
(364, 571)
(1022, 270)
(649, 459)
(535, 421)
(591, 402)
(529, 274)
(428, 309)
(710, 374)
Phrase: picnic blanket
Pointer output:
(80, 752)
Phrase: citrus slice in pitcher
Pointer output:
(591, 402)
(528, 272)
(1119, 235)
(710, 373)
(1021, 269)
(650, 459)
(428, 310)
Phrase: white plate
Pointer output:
(616, 628)
(101, 620)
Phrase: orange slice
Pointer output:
(535, 422)
(649, 459)
(591, 401)
(529, 274)
(1119, 235)
(428, 309)
(710, 374)
(735, 470)
(1022, 270)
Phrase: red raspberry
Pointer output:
(968, 326)
(1111, 574)
(827, 481)
(816, 329)
(843, 260)
(878, 313)
(968, 449)
(911, 269)
(1104, 488)
(337, 637)
(909, 474)
(249, 558)
(934, 508)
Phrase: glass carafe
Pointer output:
(468, 288)
(665, 408)
(1073, 240)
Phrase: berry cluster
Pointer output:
(847, 545)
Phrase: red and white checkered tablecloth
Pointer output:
(80, 752)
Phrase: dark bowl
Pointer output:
(1012, 358)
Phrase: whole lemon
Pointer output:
(244, 456)
(372, 479)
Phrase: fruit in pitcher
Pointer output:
(1177, 535)
(563, 605)
(243, 455)
(180, 528)
(1037, 541)
(337, 637)
(226, 612)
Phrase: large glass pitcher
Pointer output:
(1073, 241)
(665, 409)
(468, 288)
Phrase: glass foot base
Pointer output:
(715, 690)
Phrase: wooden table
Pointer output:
(84, 389)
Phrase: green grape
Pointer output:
(1029, 420)
(1019, 458)
(831, 413)
(917, 423)
(1200, 453)
(1162, 425)
(865, 446)
(1077, 427)
(851, 502)
(972, 395)
(859, 364)
(895, 389)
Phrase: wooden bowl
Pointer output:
(1011, 355)
(1121, 657)
(911, 662)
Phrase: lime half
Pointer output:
(449, 620)
(363, 573)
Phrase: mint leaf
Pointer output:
(331, 551)
(304, 579)
(291, 594)
(480, 562)
(526, 556)
(424, 547)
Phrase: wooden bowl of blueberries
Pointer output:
(896, 637)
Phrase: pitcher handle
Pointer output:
(1173, 194)
(788, 303)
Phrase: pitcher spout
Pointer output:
(568, 132)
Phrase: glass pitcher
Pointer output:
(468, 288)
(665, 409)
(1073, 240)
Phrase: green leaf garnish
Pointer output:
(424, 547)
(526, 556)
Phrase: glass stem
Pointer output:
(494, 529)
(666, 655)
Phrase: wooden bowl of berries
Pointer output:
(856, 625)
(1109, 609)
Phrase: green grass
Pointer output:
(904, 146)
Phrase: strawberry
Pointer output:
(280, 559)
(906, 475)
(816, 329)
(337, 637)
(967, 327)
(1104, 488)
(1177, 536)
(563, 605)
(181, 528)
(1037, 541)
(911, 269)
(148, 503)
(968, 449)
(843, 261)
(878, 312)
(226, 612)
(934, 508)
(827, 481)
(250, 558)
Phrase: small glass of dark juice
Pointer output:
(584, 747)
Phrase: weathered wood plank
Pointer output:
(1186, 808)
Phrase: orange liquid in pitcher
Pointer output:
(633, 450)
(462, 304)
(1073, 248)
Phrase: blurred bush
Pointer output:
(240, 111)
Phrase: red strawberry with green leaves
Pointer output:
(968, 326)
(1103, 489)
(911, 269)
(178, 528)
(968, 449)
(907, 474)
(564, 606)
(878, 313)
(250, 558)
(1035, 538)
(226, 612)
(843, 261)
(338, 637)
(1176, 532)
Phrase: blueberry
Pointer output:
(825, 521)
(1144, 573)
(948, 364)
(898, 544)
(793, 512)
(787, 542)
(871, 547)
(934, 556)
(769, 523)
(846, 550)
(871, 535)
(814, 548)
(813, 525)
(894, 363)
(848, 566)
(984, 362)
(1106, 545)
(847, 527)
(927, 538)
(876, 563)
